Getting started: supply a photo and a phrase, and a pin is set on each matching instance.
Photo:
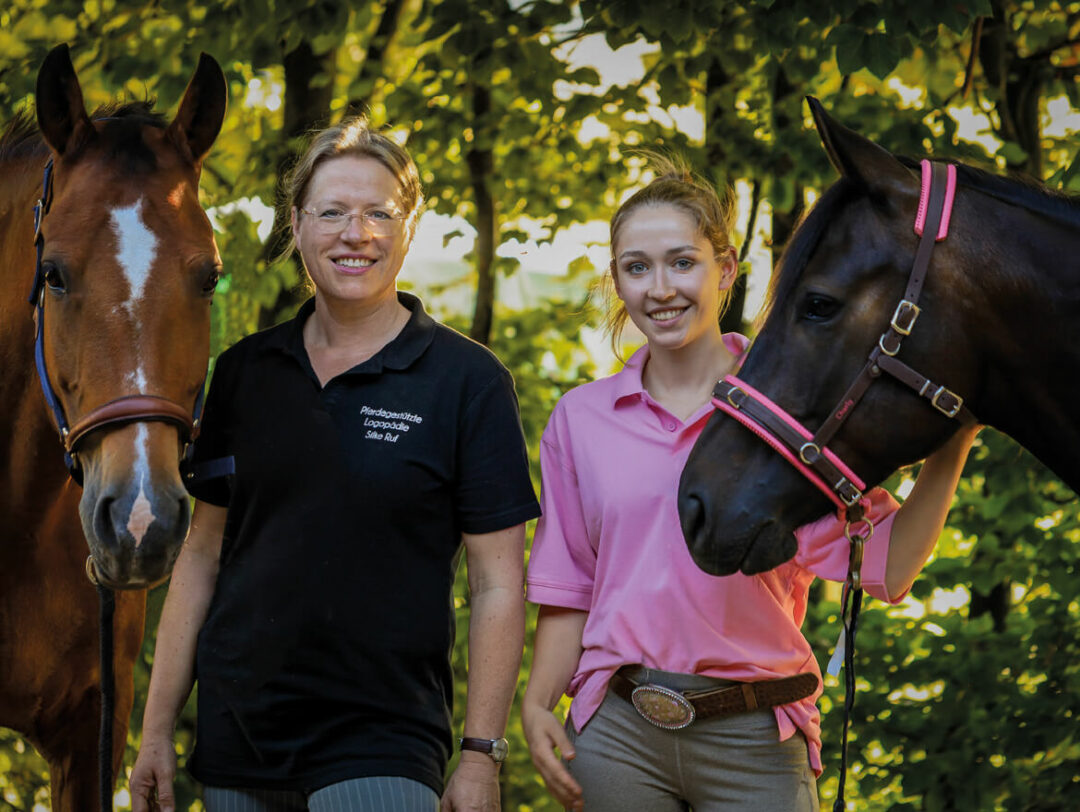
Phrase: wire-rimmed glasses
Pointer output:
(331, 221)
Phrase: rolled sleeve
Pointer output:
(562, 564)
(824, 549)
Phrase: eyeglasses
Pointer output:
(331, 221)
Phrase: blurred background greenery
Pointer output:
(523, 117)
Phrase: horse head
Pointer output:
(128, 265)
(834, 292)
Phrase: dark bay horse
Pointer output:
(999, 326)
(128, 264)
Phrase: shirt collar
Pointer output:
(407, 346)
(628, 382)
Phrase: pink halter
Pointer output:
(807, 451)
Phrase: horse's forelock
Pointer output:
(121, 125)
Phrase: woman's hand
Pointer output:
(544, 734)
(152, 777)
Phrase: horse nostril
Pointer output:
(104, 528)
(691, 516)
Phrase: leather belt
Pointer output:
(674, 710)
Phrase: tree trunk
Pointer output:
(481, 168)
(1018, 85)
(371, 69)
(306, 108)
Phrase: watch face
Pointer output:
(500, 748)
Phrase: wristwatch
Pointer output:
(498, 749)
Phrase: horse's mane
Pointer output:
(1016, 190)
(21, 137)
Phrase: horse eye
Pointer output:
(212, 279)
(54, 279)
(819, 307)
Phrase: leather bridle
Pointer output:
(118, 411)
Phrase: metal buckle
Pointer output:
(662, 706)
(848, 493)
(905, 308)
(814, 450)
(731, 392)
(942, 392)
(886, 350)
(864, 535)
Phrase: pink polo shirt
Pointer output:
(609, 542)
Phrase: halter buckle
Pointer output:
(886, 350)
(809, 453)
(948, 409)
(847, 492)
(731, 392)
(903, 318)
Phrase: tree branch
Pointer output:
(969, 71)
(755, 203)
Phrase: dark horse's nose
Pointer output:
(692, 520)
(702, 539)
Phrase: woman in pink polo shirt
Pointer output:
(621, 601)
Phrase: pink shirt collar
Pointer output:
(628, 381)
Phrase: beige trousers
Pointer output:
(732, 764)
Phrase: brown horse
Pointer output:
(996, 325)
(127, 266)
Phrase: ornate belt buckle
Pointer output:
(663, 707)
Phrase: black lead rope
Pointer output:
(850, 627)
(107, 603)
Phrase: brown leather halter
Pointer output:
(118, 411)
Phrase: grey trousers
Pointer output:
(377, 794)
(732, 764)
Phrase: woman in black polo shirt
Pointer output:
(313, 599)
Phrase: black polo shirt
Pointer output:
(325, 654)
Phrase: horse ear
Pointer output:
(202, 110)
(61, 112)
(855, 156)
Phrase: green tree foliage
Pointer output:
(968, 691)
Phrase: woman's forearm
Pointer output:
(921, 518)
(556, 651)
(186, 605)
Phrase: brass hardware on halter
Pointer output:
(886, 350)
(905, 309)
(942, 392)
(731, 392)
(847, 492)
(858, 542)
(809, 453)
(90, 571)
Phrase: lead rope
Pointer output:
(852, 600)
(107, 604)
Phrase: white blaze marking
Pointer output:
(137, 380)
(136, 248)
(142, 512)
